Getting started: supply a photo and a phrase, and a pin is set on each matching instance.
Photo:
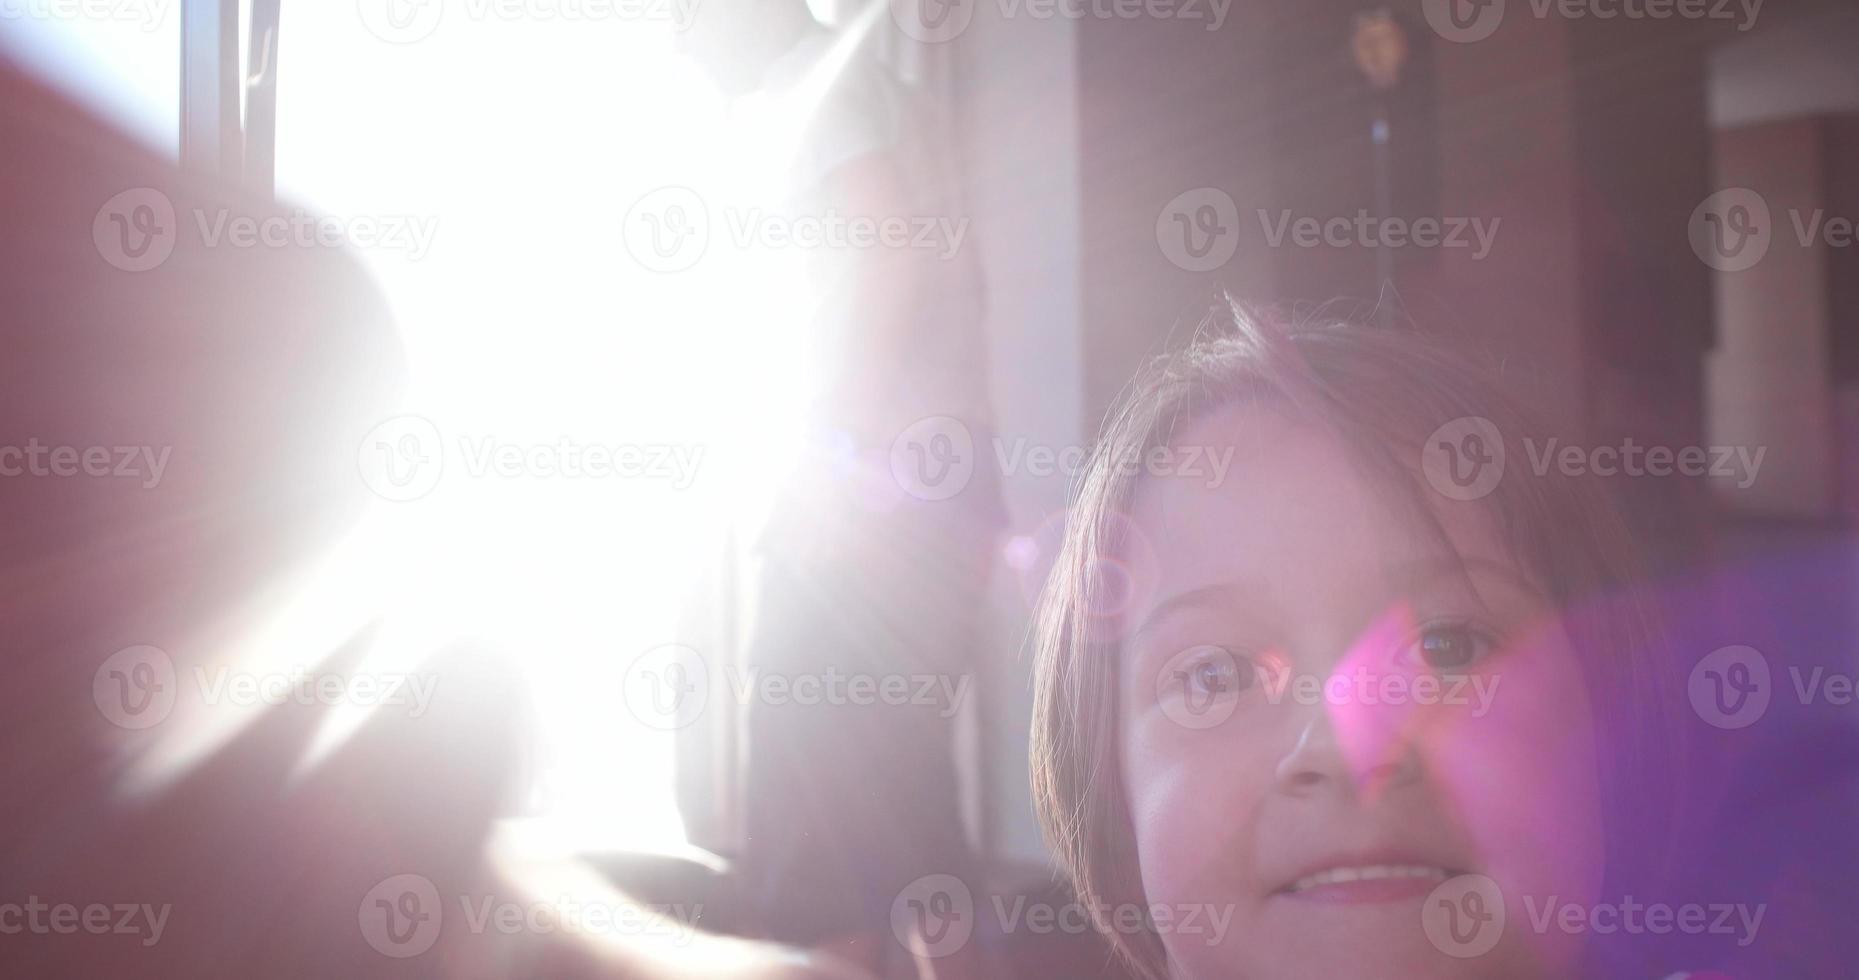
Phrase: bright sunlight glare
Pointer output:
(520, 146)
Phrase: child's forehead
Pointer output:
(1256, 465)
(1294, 502)
(1250, 425)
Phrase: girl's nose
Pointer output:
(1337, 751)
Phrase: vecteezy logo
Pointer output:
(1464, 459)
(666, 687)
(401, 21)
(1464, 21)
(1199, 229)
(402, 458)
(1731, 230)
(401, 916)
(934, 915)
(135, 231)
(932, 21)
(667, 230)
(1730, 688)
(1198, 687)
(135, 688)
(1464, 916)
(934, 458)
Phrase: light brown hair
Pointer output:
(1381, 390)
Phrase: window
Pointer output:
(123, 59)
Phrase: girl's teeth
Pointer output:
(1372, 872)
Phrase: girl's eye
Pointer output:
(1209, 673)
(1200, 687)
(1451, 646)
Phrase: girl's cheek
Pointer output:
(1522, 776)
(1190, 794)
(1162, 773)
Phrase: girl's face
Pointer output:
(1330, 726)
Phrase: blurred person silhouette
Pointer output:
(251, 375)
(875, 559)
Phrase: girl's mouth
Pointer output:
(1368, 883)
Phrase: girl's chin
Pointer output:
(1346, 960)
(1357, 929)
